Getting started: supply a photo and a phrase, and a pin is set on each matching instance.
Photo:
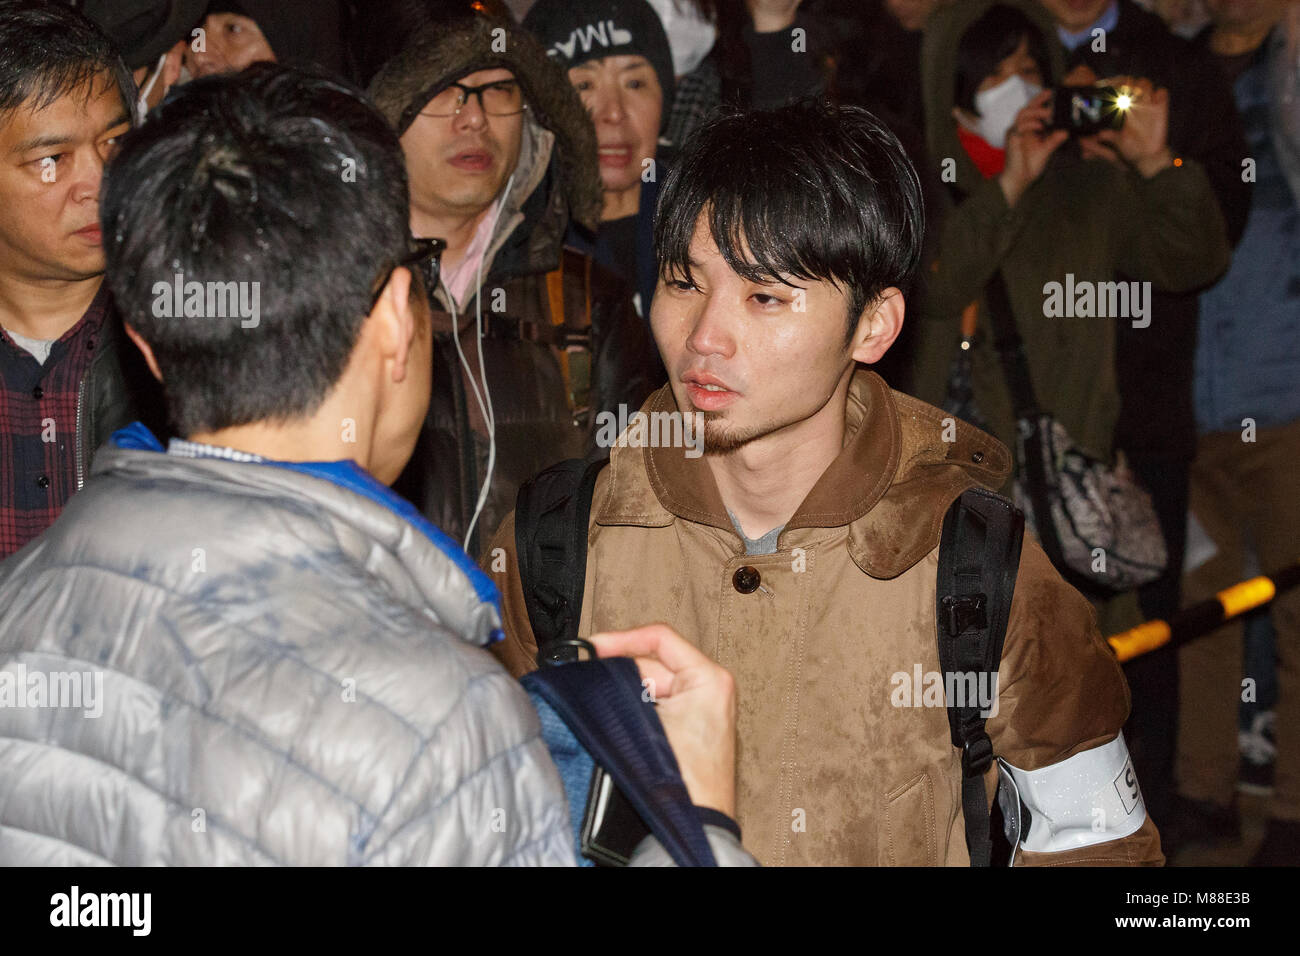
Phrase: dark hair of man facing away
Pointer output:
(316, 220)
(834, 198)
(50, 51)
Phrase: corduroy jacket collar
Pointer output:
(891, 485)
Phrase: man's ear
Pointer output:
(878, 327)
(145, 350)
(395, 315)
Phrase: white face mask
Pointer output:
(690, 36)
(998, 108)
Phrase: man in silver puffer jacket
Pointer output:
(243, 648)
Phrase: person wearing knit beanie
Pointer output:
(578, 31)
(619, 61)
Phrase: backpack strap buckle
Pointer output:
(966, 611)
(976, 755)
(564, 651)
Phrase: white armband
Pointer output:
(1093, 797)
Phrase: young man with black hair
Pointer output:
(68, 378)
(287, 659)
(801, 550)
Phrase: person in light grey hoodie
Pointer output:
(243, 648)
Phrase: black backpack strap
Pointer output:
(551, 515)
(979, 557)
(600, 701)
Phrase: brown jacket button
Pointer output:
(746, 579)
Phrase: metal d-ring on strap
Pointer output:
(554, 650)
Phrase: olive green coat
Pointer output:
(1088, 219)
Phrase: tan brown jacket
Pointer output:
(829, 769)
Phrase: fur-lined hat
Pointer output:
(438, 55)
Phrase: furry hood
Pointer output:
(440, 54)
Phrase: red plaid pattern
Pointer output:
(38, 427)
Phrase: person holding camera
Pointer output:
(1033, 206)
(1156, 428)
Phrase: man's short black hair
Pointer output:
(48, 50)
(808, 191)
(988, 41)
(270, 176)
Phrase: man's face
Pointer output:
(51, 163)
(458, 164)
(741, 353)
(623, 96)
(230, 43)
(1076, 15)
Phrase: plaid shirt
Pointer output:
(38, 427)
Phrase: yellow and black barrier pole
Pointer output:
(1200, 619)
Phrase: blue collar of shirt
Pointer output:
(348, 474)
(1107, 21)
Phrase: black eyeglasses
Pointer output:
(423, 256)
(500, 98)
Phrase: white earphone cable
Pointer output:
(484, 398)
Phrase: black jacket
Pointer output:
(530, 280)
(117, 390)
(536, 422)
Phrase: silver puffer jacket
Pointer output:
(210, 662)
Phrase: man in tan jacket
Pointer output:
(801, 549)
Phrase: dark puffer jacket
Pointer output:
(529, 279)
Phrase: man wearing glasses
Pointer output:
(501, 156)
